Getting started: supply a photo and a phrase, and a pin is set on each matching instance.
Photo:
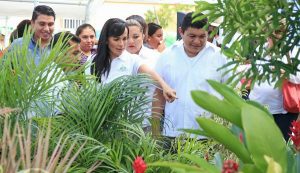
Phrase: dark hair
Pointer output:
(66, 37)
(152, 28)
(19, 31)
(188, 21)
(113, 27)
(42, 9)
(142, 21)
(82, 27)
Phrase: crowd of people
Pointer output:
(131, 46)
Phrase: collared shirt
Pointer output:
(35, 51)
(125, 64)
(85, 58)
(185, 74)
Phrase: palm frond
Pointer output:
(32, 87)
(89, 110)
(16, 152)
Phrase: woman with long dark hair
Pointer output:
(113, 61)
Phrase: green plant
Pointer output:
(132, 142)
(94, 109)
(247, 25)
(29, 87)
(164, 16)
(262, 148)
(23, 149)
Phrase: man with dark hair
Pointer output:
(66, 37)
(72, 41)
(42, 24)
(186, 66)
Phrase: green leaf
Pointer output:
(250, 168)
(196, 132)
(227, 92)
(297, 161)
(228, 37)
(179, 167)
(264, 139)
(259, 106)
(273, 167)
(291, 167)
(224, 108)
(202, 163)
(225, 137)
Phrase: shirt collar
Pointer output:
(33, 42)
(123, 55)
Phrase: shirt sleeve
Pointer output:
(137, 62)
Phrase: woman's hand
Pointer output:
(169, 94)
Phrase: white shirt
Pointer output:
(271, 97)
(185, 74)
(268, 96)
(89, 63)
(149, 56)
(125, 64)
(49, 106)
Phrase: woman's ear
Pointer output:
(180, 31)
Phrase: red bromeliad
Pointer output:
(295, 136)
(230, 166)
(139, 165)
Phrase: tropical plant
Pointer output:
(247, 25)
(25, 149)
(29, 87)
(101, 114)
(164, 16)
(261, 149)
(105, 119)
(95, 110)
(34, 90)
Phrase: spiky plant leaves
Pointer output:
(20, 151)
(133, 142)
(179, 167)
(93, 109)
(202, 163)
(29, 86)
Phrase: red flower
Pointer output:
(139, 165)
(230, 166)
(295, 136)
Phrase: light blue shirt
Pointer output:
(34, 50)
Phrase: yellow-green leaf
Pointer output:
(225, 137)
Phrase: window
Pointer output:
(72, 23)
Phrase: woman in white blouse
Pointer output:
(113, 61)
